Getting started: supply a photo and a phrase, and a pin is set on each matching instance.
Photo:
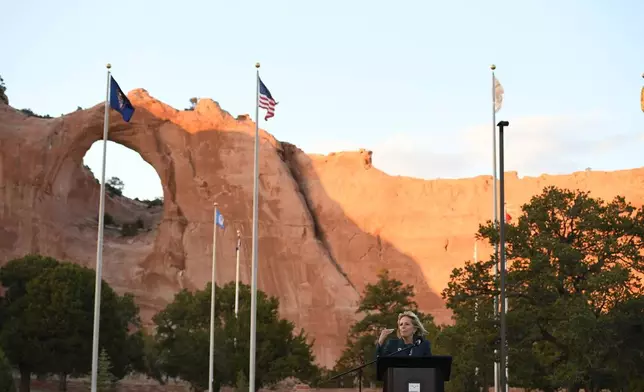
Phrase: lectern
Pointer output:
(414, 374)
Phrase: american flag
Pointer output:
(266, 100)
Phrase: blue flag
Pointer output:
(219, 219)
(119, 101)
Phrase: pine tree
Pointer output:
(242, 383)
(105, 381)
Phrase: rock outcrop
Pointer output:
(328, 224)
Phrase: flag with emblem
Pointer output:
(119, 101)
(266, 100)
(219, 218)
(498, 95)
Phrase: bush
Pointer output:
(3, 95)
(30, 113)
(108, 219)
(129, 229)
(153, 203)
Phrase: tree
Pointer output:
(183, 336)
(60, 310)
(21, 348)
(49, 323)
(152, 359)
(31, 113)
(576, 312)
(6, 375)
(381, 303)
(105, 380)
(115, 186)
(3, 95)
(241, 385)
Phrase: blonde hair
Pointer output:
(415, 321)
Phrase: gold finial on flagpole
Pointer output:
(109, 65)
(215, 204)
(492, 67)
(256, 65)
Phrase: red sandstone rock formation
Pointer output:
(327, 223)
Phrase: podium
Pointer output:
(414, 374)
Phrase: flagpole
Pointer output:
(237, 274)
(507, 358)
(503, 383)
(476, 303)
(253, 298)
(506, 218)
(495, 204)
(212, 302)
(99, 246)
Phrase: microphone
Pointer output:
(416, 344)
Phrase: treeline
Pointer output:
(576, 309)
(46, 325)
(575, 316)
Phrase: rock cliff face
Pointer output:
(327, 223)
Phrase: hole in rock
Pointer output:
(133, 193)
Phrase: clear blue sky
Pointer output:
(409, 80)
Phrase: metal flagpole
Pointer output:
(507, 364)
(503, 383)
(212, 303)
(476, 303)
(99, 246)
(237, 274)
(253, 298)
(495, 205)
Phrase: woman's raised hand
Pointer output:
(383, 335)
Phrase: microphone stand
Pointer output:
(359, 368)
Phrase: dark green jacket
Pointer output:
(424, 349)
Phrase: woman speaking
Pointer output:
(410, 342)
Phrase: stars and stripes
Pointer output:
(266, 100)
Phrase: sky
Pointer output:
(410, 81)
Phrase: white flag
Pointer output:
(498, 95)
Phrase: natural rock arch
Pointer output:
(201, 156)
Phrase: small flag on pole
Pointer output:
(220, 219)
(642, 99)
(119, 101)
(498, 95)
(266, 100)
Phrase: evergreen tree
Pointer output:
(105, 380)
(241, 384)
(183, 335)
(575, 304)
(381, 303)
